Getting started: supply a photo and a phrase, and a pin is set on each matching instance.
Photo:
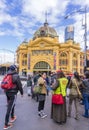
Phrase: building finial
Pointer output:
(46, 16)
(46, 23)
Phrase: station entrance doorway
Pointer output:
(42, 66)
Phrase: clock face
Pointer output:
(42, 44)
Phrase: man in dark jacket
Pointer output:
(11, 95)
(86, 94)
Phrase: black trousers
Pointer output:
(41, 99)
(10, 107)
(41, 105)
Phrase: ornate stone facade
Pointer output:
(45, 53)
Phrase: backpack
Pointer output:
(7, 82)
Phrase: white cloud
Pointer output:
(80, 2)
(4, 18)
(2, 5)
(37, 9)
(33, 11)
(2, 33)
(6, 56)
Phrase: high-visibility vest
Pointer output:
(62, 86)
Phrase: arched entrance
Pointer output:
(42, 66)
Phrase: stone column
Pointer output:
(57, 59)
(70, 64)
(78, 62)
(20, 63)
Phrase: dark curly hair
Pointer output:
(76, 75)
(60, 74)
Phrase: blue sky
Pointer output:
(19, 19)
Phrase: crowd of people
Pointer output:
(74, 83)
(57, 83)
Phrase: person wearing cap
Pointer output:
(11, 95)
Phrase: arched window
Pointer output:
(75, 62)
(63, 61)
(81, 60)
(74, 55)
(81, 56)
(63, 54)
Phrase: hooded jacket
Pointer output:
(16, 80)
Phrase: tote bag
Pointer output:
(37, 89)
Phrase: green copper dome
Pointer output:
(45, 31)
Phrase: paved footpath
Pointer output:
(28, 119)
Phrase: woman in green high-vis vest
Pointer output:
(58, 112)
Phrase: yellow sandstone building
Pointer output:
(44, 52)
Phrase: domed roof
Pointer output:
(45, 31)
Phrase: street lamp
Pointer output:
(85, 36)
(85, 33)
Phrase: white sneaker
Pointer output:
(42, 114)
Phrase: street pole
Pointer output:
(85, 38)
(85, 34)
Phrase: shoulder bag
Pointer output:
(79, 93)
(57, 98)
(37, 89)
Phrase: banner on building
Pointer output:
(28, 61)
(54, 61)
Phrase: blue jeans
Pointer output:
(86, 103)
